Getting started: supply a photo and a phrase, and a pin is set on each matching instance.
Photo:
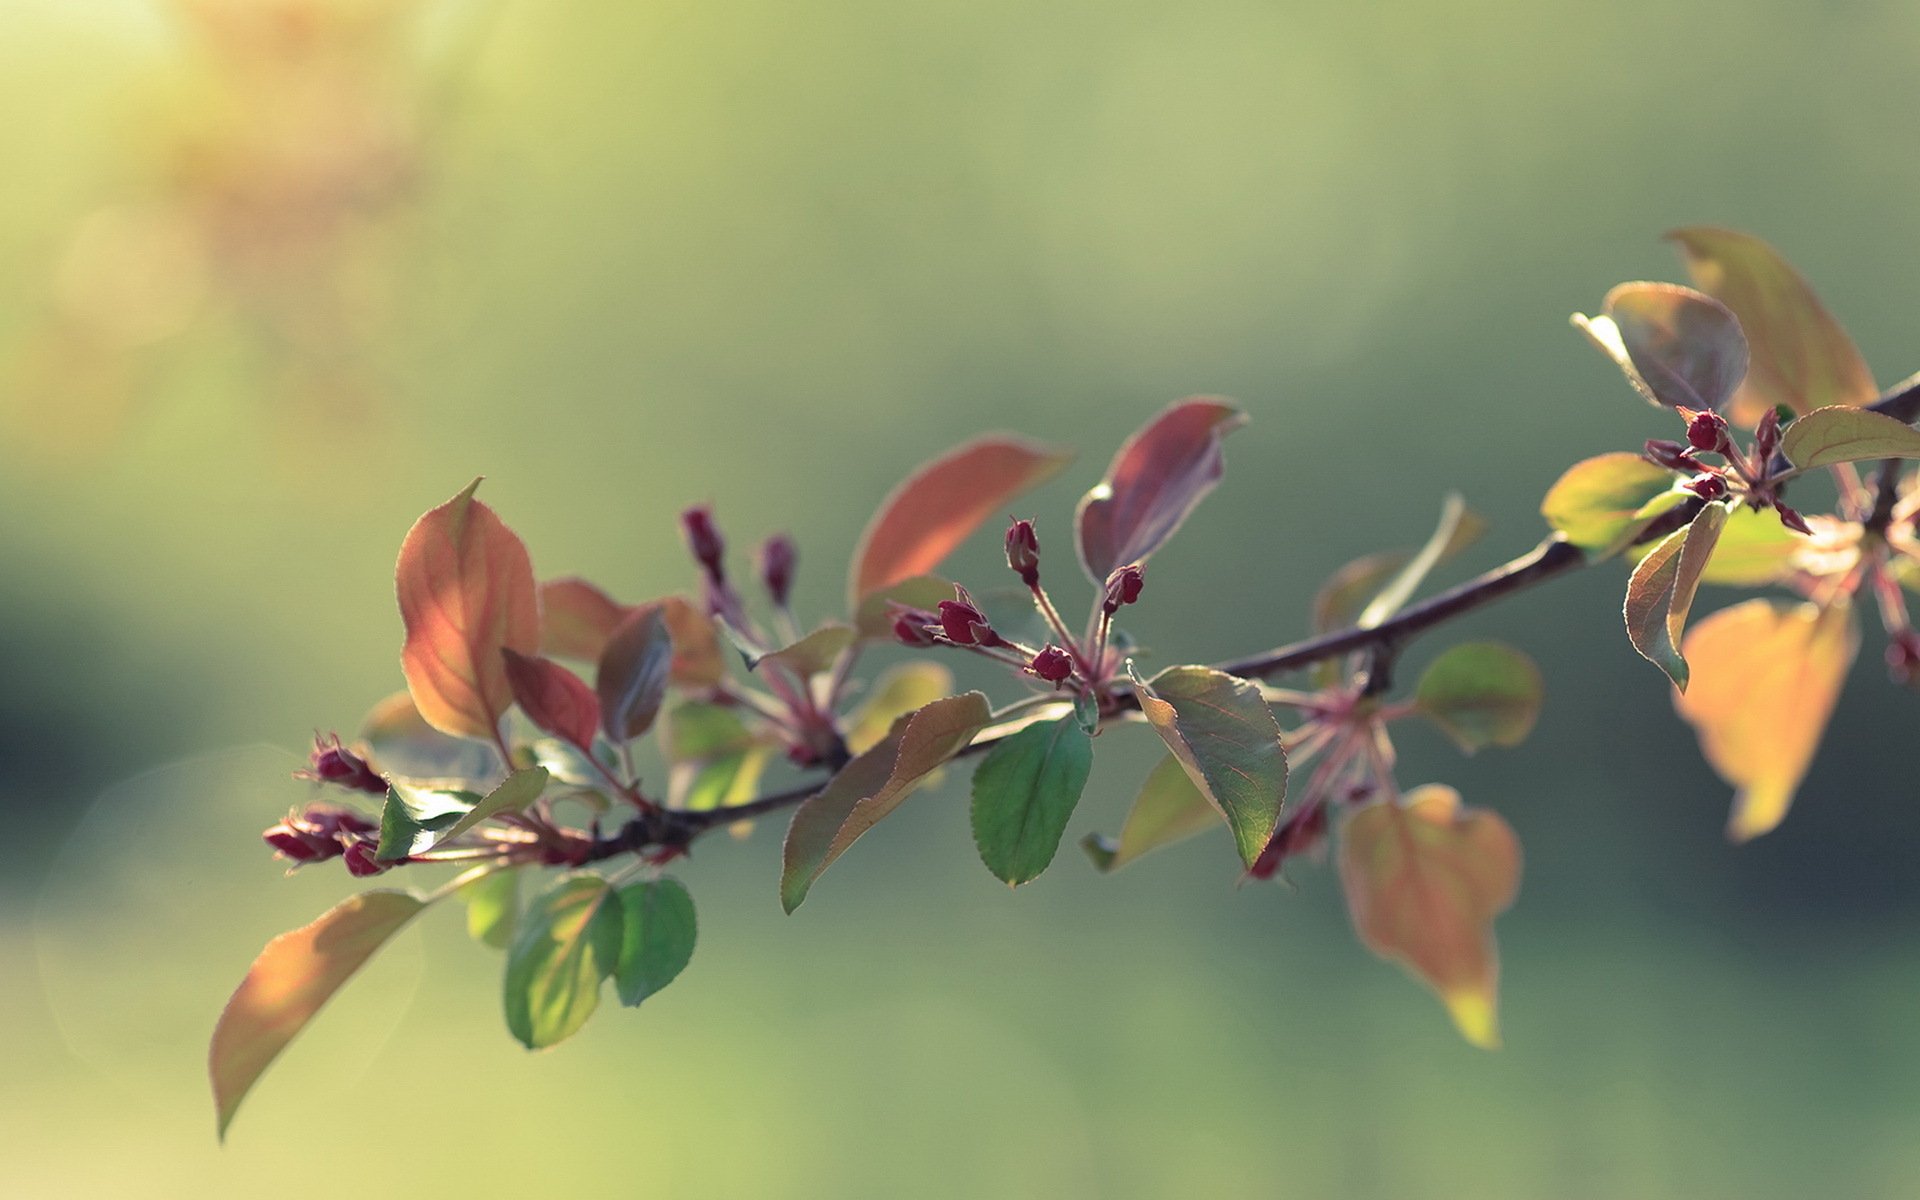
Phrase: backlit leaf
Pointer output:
(938, 506)
(632, 676)
(1168, 809)
(896, 693)
(1225, 737)
(1601, 504)
(399, 743)
(493, 907)
(1802, 358)
(1424, 881)
(415, 820)
(1766, 675)
(567, 946)
(658, 932)
(1458, 527)
(1023, 794)
(872, 786)
(514, 794)
(697, 661)
(1661, 589)
(1837, 435)
(293, 978)
(466, 593)
(576, 619)
(812, 654)
(554, 698)
(1156, 479)
(715, 759)
(1482, 694)
(1676, 346)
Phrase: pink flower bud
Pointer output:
(360, 860)
(910, 627)
(776, 567)
(1707, 431)
(1123, 587)
(1708, 486)
(1903, 656)
(965, 625)
(704, 541)
(1052, 664)
(331, 762)
(1766, 436)
(1023, 552)
(317, 833)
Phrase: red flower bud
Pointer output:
(1766, 436)
(910, 627)
(1052, 664)
(331, 762)
(360, 859)
(1708, 486)
(1791, 519)
(319, 832)
(776, 567)
(965, 625)
(1672, 455)
(299, 846)
(704, 541)
(1023, 552)
(1123, 587)
(1707, 431)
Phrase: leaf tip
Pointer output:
(1475, 1016)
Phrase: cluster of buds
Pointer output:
(776, 560)
(1708, 433)
(323, 831)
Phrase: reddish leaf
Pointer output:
(576, 619)
(554, 698)
(939, 505)
(294, 976)
(1424, 881)
(466, 593)
(632, 677)
(1155, 480)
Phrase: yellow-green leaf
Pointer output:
(1424, 880)
(812, 654)
(1482, 694)
(896, 693)
(1168, 809)
(1830, 436)
(1660, 592)
(1766, 675)
(1458, 527)
(567, 946)
(1224, 735)
(1602, 503)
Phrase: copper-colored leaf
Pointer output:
(554, 698)
(1766, 675)
(1163, 471)
(632, 676)
(697, 661)
(872, 786)
(294, 976)
(940, 504)
(466, 593)
(1224, 734)
(1660, 592)
(1676, 346)
(1802, 358)
(1424, 880)
(576, 619)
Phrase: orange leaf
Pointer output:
(939, 505)
(697, 662)
(576, 619)
(1766, 675)
(1424, 880)
(294, 976)
(466, 593)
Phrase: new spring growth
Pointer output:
(317, 833)
(705, 543)
(1052, 664)
(1708, 431)
(777, 559)
(331, 762)
(964, 624)
(1123, 587)
(1023, 552)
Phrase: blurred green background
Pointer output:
(277, 275)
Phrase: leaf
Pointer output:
(554, 698)
(813, 654)
(872, 786)
(1754, 549)
(1601, 504)
(632, 675)
(1766, 675)
(1424, 881)
(1837, 435)
(568, 945)
(1024, 793)
(715, 759)
(896, 693)
(576, 619)
(935, 509)
(1802, 358)
(1458, 527)
(697, 661)
(466, 593)
(1163, 471)
(1483, 694)
(873, 618)
(1168, 809)
(415, 820)
(514, 794)
(1348, 590)
(399, 743)
(1676, 346)
(294, 977)
(1225, 737)
(493, 907)
(1661, 590)
(658, 936)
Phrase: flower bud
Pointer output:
(704, 541)
(1672, 455)
(1052, 664)
(360, 861)
(1903, 656)
(966, 625)
(1023, 552)
(1707, 431)
(1791, 519)
(1708, 486)
(331, 762)
(317, 833)
(1123, 587)
(776, 567)
(910, 627)
(1766, 437)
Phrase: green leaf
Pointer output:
(1024, 793)
(1225, 736)
(1830, 436)
(1168, 809)
(1802, 358)
(870, 787)
(416, 820)
(514, 794)
(400, 744)
(1754, 549)
(1676, 346)
(493, 907)
(1661, 590)
(568, 945)
(897, 692)
(293, 978)
(812, 654)
(715, 760)
(657, 941)
(1482, 694)
(1459, 527)
(1601, 504)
